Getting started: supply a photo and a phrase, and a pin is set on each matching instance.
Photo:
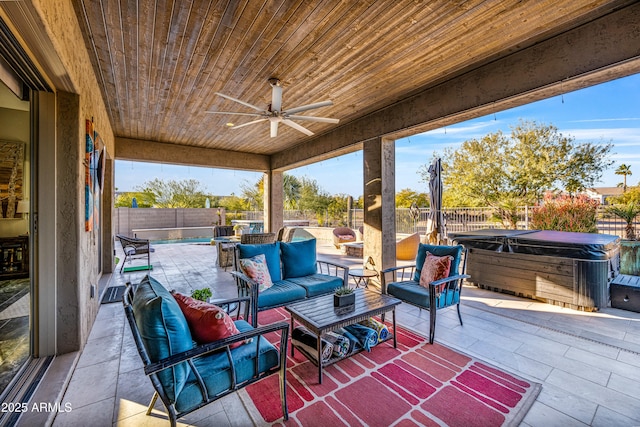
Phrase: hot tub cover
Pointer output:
(589, 246)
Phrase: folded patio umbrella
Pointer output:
(379, 327)
(307, 340)
(367, 337)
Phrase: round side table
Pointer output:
(362, 276)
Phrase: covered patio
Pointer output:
(588, 363)
(147, 76)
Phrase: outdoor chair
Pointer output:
(434, 295)
(257, 238)
(187, 376)
(407, 248)
(343, 235)
(134, 247)
(222, 231)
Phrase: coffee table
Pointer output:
(319, 315)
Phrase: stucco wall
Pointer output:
(77, 258)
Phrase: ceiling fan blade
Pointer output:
(248, 123)
(274, 128)
(308, 107)
(236, 113)
(297, 127)
(240, 102)
(313, 119)
(276, 98)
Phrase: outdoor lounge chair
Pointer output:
(133, 247)
(187, 376)
(343, 235)
(442, 293)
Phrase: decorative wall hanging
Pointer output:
(94, 175)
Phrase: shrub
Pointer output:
(566, 213)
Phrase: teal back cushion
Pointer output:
(164, 331)
(271, 252)
(299, 258)
(454, 251)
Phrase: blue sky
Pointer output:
(609, 112)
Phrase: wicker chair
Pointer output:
(343, 235)
(258, 238)
(407, 248)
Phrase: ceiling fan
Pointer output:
(275, 115)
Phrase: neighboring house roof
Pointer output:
(601, 194)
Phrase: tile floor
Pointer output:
(588, 363)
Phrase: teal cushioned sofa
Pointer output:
(295, 271)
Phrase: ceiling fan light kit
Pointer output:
(275, 115)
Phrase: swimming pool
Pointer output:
(206, 240)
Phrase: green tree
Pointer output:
(628, 213)
(186, 193)
(406, 196)
(125, 200)
(506, 171)
(623, 170)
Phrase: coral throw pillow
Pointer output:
(207, 322)
(257, 270)
(435, 268)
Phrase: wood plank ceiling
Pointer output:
(159, 63)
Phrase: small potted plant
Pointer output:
(201, 294)
(343, 296)
(237, 229)
(630, 246)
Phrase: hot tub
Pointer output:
(563, 268)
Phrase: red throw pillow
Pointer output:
(435, 268)
(207, 322)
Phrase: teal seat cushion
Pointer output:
(411, 292)
(281, 293)
(215, 369)
(164, 331)
(298, 258)
(271, 252)
(454, 251)
(318, 284)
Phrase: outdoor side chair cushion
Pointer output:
(412, 292)
(216, 373)
(164, 331)
(271, 252)
(281, 293)
(454, 251)
(318, 284)
(299, 258)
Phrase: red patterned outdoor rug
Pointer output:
(415, 384)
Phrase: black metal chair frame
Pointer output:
(151, 369)
(451, 283)
(133, 247)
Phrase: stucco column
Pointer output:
(107, 216)
(273, 201)
(379, 202)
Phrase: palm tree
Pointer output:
(628, 213)
(624, 170)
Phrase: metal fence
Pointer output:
(457, 219)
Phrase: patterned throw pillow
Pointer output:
(435, 268)
(207, 322)
(256, 269)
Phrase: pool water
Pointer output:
(189, 240)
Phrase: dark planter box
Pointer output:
(344, 300)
